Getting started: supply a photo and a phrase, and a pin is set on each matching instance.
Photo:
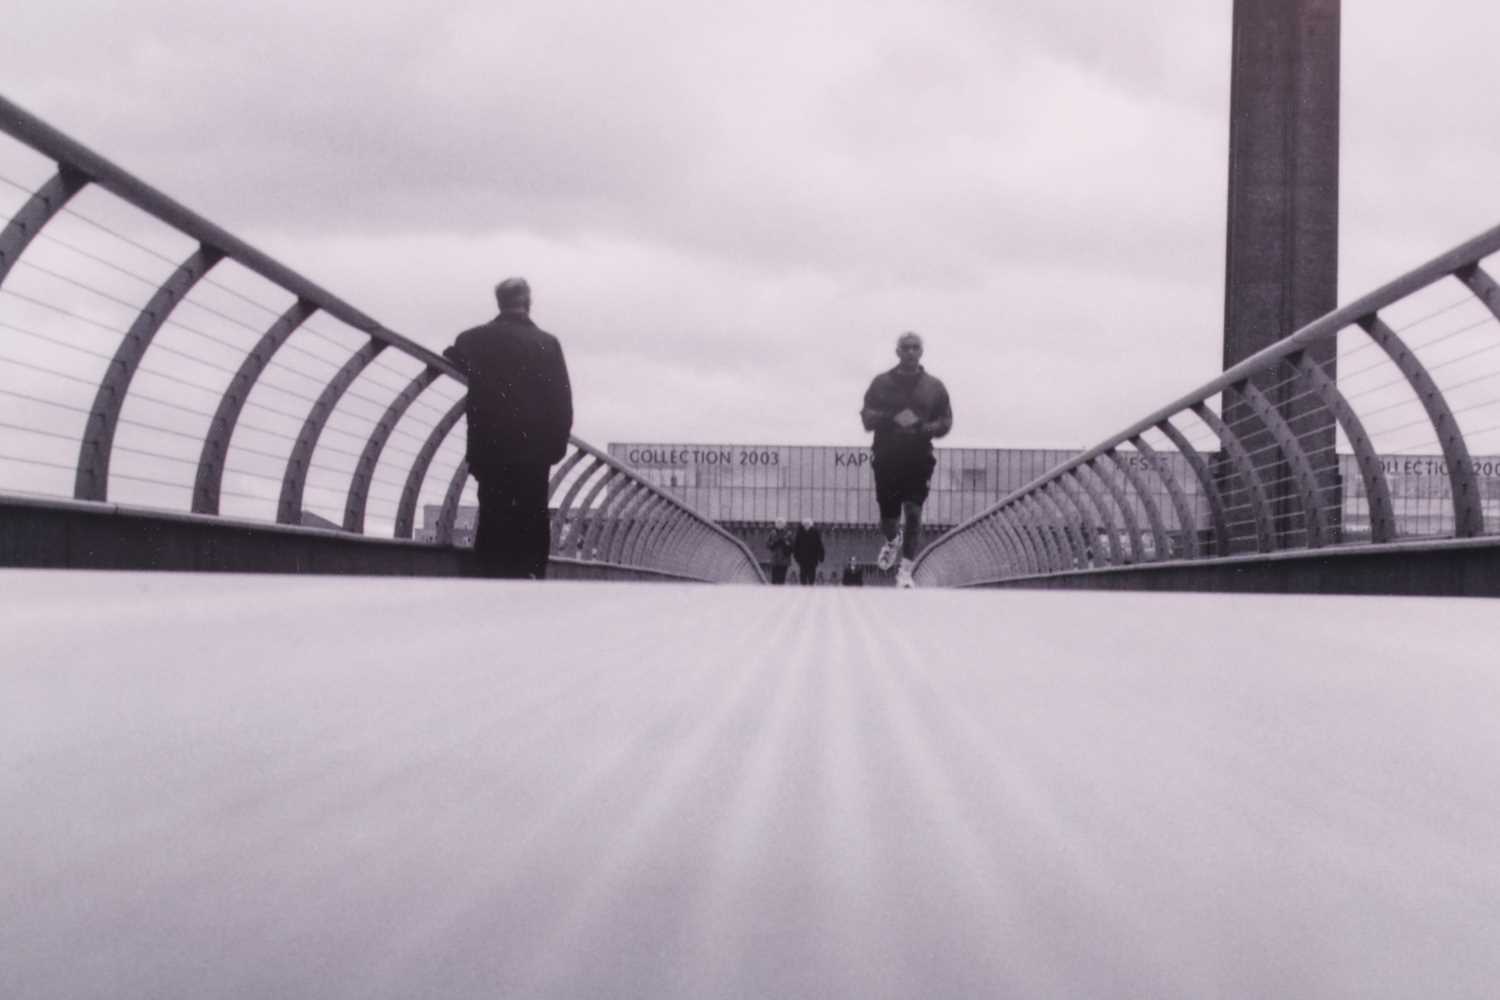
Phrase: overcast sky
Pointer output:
(728, 211)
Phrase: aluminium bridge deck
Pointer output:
(278, 786)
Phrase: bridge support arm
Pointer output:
(289, 508)
(92, 482)
(1468, 515)
(1260, 509)
(211, 459)
(33, 217)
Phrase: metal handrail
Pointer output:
(717, 555)
(938, 564)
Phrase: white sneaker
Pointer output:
(890, 552)
(903, 575)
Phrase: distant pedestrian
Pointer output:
(853, 575)
(808, 550)
(906, 408)
(780, 543)
(520, 413)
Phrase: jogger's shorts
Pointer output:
(901, 480)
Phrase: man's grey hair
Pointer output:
(513, 292)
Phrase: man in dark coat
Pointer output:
(520, 412)
(780, 544)
(853, 575)
(807, 548)
(906, 408)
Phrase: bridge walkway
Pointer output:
(258, 786)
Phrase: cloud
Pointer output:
(729, 211)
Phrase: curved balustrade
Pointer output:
(1365, 431)
(150, 358)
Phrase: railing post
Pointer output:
(406, 512)
(622, 544)
(1294, 457)
(1187, 524)
(587, 510)
(1148, 503)
(92, 482)
(449, 514)
(1008, 518)
(211, 459)
(1068, 525)
(33, 217)
(369, 457)
(638, 543)
(1000, 546)
(565, 511)
(299, 463)
(1051, 547)
(1099, 549)
(619, 524)
(1265, 531)
(1377, 491)
(1468, 515)
(1206, 481)
(1106, 518)
(609, 510)
(1122, 503)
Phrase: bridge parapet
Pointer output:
(1300, 462)
(151, 360)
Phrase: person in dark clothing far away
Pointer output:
(906, 408)
(780, 544)
(808, 550)
(520, 412)
(853, 575)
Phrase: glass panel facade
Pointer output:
(753, 485)
(747, 487)
(830, 484)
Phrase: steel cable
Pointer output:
(1386, 362)
(1455, 412)
(47, 237)
(38, 399)
(38, 431)
(314, 331)
(1465, 299)
(148, 453)
(42, 463)
(1350, 398)
(23, 188)
(93, 383)
(69, 210)
(209, 281)
(417, 403)
(144, 369)
(167, 349)
(1422, 421)
(420, 402)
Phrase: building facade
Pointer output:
(746, 488)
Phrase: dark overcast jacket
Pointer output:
(893, 391)
(520, 405)
(808, 547)
(780, 544)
